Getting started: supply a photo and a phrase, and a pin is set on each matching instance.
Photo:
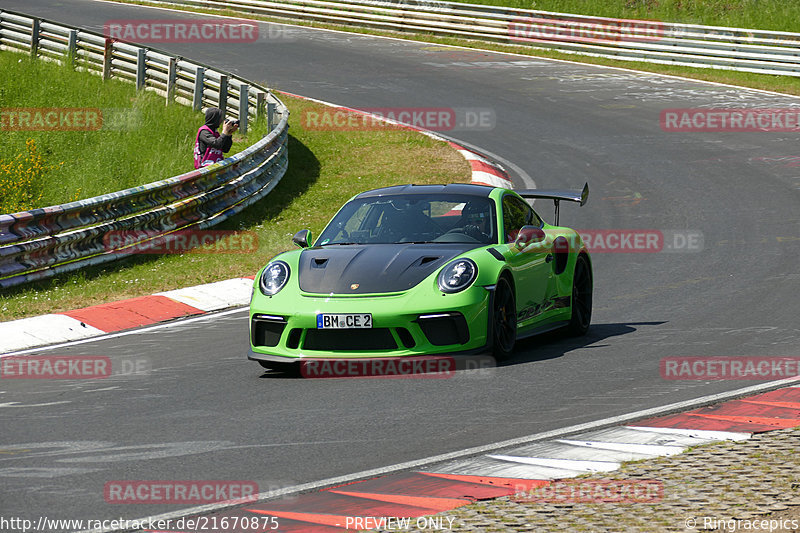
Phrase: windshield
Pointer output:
(413, 218)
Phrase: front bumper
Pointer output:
(284, 329)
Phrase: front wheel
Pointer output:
(504, 320)
(581, 298)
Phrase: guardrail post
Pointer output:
(108, 54)
(35, 37)
(244, 104)
(261, 99)
(141, 68)
(72, 48)
(172, 75)
(270, 116)
(223, 93)
(197, 98)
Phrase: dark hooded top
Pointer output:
(213, 120)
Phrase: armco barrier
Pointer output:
(40, 243)
(761, 51)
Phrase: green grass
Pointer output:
(326, 168)
(141, 139)
(781, 15)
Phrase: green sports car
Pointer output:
(418, 270)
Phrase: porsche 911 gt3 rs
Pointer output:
(422, 270)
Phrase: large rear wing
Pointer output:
(571, 196)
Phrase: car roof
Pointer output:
(451, 188)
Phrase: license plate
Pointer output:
(344, 321)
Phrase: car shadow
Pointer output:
(557, 343)
(538, 348)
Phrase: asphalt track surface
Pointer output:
(203, 412)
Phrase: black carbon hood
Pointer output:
(374, 268)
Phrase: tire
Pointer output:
(504, 320)
(581, 302)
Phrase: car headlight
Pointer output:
(458, 275)
(274, 277)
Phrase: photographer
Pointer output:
(210, 145)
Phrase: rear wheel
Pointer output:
(504, 320)
(581, 298)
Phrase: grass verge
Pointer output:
(326, 168)
(127, 138)
(778, 15)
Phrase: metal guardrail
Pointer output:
(44, 242)
(760, 51)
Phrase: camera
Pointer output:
(231, 121)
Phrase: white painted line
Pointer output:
(43, 329)
(470, 156)
(419, 463)
(627, 435)
(643, 449)
(146, 329)
(697, 433)
(527, 180)
(488, 467)
(491, 179)
(46, 404)
(566, 464)
(214, 296)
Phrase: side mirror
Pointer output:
(528, 235)
(302, 238)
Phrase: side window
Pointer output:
(516, 213)
(535, 220)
